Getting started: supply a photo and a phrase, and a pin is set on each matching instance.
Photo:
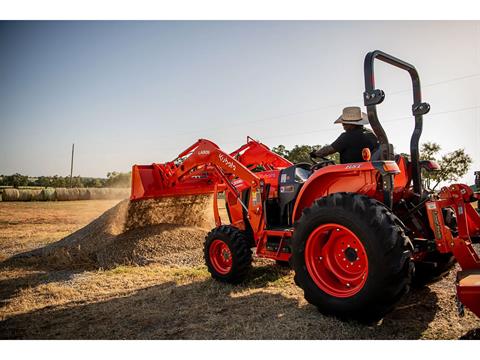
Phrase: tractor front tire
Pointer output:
(227, 254)
(351, 257)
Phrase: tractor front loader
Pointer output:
(355, 234)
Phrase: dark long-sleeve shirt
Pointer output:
(351, 143)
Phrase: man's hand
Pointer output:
(325, 151)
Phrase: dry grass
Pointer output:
(26, 226)
(159, 301)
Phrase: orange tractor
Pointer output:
(356, 234)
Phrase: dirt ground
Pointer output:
(175, 299)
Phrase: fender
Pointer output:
(359, 178)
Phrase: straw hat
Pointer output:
(352, 115)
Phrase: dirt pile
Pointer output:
(170, 231)
(167, 244)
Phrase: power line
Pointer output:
(337, 105)
(386, 121)
(435, 113)
(437, 83)
(313, 110)
(262, 138)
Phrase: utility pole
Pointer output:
(71, 165)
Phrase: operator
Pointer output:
(355, 138)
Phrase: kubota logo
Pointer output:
(227, 162)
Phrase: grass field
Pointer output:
(171, 302)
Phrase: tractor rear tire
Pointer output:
(227, 254)
(366, 267)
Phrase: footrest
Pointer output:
(468, 289)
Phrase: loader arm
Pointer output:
(254, 154)
(227, 169)
(204, 153)
(193, 171)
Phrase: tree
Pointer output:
(93, 182)
(428, 151)
(15, 180)
(115, 179)
(453, 165)
(301, 153)
(280, 150)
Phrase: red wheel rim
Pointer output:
(336, 260)
(220, 257)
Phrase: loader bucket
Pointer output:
(156, 199)
(152, 181)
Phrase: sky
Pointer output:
(141, 92)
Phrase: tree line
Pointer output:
(113, 179)
(453, 165)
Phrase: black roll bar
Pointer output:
(372, 97)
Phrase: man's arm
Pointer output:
(325, 151)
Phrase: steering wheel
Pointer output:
(320, 164)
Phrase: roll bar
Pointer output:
(372, 97)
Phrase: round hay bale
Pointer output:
(74, 194)
(106, 194)
(113, 194)
(83, 194)
(10, 195)
(37, 195)
(29, 194)
(89, 193)
(120, 193)
(98, 194)
(63, 194)
(25, 195)
(48, 194)
(93, 193)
